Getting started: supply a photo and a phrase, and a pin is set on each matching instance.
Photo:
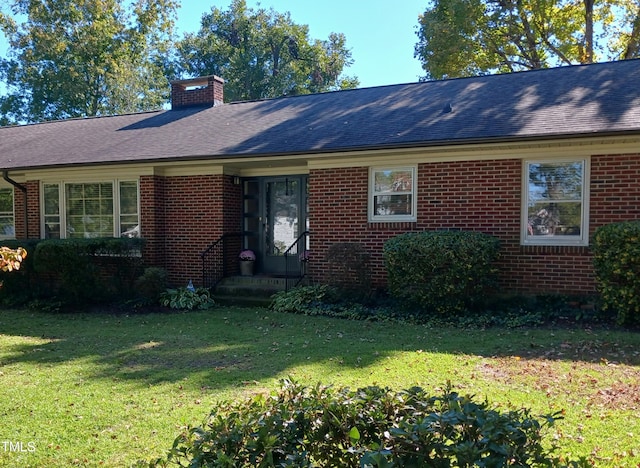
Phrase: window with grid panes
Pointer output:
(392, 194)
(7, 217)
(91, 209)
(555, 202)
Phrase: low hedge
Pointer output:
(74, 271)
(325, 426)
(83, 271)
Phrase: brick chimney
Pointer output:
(202, 91)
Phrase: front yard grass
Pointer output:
(107, 390)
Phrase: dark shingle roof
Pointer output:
(562, 102)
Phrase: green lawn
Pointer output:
(104, 390)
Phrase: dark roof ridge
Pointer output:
(443, 80)
(531, 71)
(72, 119)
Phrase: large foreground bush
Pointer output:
(322, 426)
(616, 261)
(441, 271)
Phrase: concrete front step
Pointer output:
(249, 290)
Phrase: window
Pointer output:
(555, 202)
(129, 217)
(392, 194)
(89, 210)
(7, 224)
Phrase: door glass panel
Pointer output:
(282, 213)
(252, 217)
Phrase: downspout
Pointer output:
(23, 189)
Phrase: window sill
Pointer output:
(392, 225)
(547, 249)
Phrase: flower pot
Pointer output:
(246, 267)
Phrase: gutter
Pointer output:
(23, 189)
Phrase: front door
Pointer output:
(278, 222)
(285, 219)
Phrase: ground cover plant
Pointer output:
(108, 390)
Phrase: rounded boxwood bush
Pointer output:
(616, 261)
(441, 271)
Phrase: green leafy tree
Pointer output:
(474, 37)
(78, 58)
(261, 54)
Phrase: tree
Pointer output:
(262, 53)
(78, 58)
(474, 37)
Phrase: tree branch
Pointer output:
(633, 46)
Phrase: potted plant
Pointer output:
(305, 255)
(247, 258)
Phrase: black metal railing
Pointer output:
(220, 259)
(296, 261)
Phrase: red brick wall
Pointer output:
(182, 216)
(473, 195)
(615, 189)
(232, 201)
(152, 219)
(33, 210)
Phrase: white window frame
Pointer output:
(62, 184)
(4, 235)
(556, 240)
(376, 218)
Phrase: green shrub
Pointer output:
(441, 271)
(186, 298)
(349, 270)
(330, 301)
(616, 261)
(498, 311)
(301, 299)
(151, 284)
(322, 426)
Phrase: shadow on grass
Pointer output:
(225, 347)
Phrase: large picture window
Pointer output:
(392, 194)
(555, 202)
(7, 218)
(90, 209)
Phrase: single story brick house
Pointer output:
(539, 159)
